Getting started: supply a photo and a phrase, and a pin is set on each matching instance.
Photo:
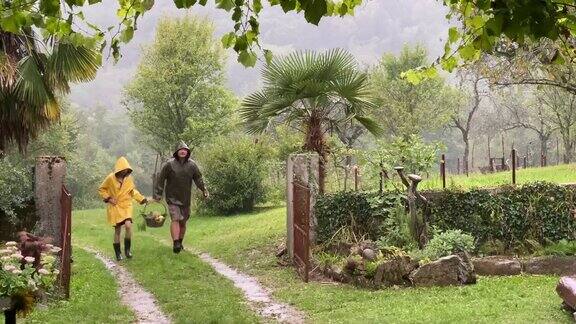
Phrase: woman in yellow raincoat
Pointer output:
(117, 191)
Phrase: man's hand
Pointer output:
(206, 194)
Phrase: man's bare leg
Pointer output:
(182, 232)
(175, 232)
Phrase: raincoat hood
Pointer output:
(178, 147)
(122, 164)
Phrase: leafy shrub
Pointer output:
(412, 153)
(16, 189)
(447, 243)
(537, 211)
(234, 171)
(361, 213)
(510, 218)
(396, 229)
(562, 247)
(327, 259)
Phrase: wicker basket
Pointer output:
(151, 220)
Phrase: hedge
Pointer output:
(362, 212)
(538, 211)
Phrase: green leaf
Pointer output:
(413, 76)
(116, 50)
(477, 22)
(288, 5)
(268, 55)
(91, 2)
(468, 52)
(449, 64)
(228, 40)
(453, 35)
(225, 4)
(127, 34)
(73, 3)
(257, 6)
(184, 3)
(430, 73)
(237, 15)
(202, 2)
(251, 36)
(147, 4)
(314, 10)
(241, 43)
(247, 58)
(49, 7)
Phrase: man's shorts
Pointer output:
(179, 213)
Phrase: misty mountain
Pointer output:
(378, 27)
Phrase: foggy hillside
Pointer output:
(378, 27)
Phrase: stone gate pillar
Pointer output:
(49, 176)
(305, 169)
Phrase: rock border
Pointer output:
(501, 265)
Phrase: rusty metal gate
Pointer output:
(66, 224)
(301, 229)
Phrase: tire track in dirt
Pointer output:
(133, 295)
(258, 297)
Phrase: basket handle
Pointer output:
(153, 202)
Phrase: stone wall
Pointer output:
(49, 176)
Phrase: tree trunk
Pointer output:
(568, 147)
(568, 151)
(315, 142)
(544, 145)
(466, 152)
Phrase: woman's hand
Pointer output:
(112, 201)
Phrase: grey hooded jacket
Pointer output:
(176, 177)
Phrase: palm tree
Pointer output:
(313, 92)
(33, 74)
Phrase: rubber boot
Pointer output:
(177, 246)
(117, 251)
(181, 245)
(127, 246)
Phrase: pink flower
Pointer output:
(11, 243)
(30, 259)
(17, 256)
(43, 272)
(16, 271)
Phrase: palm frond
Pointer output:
(370, 124)
(307, 83)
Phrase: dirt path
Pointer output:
(132, 294)
(256, 295)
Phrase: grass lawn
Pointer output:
(565, 173)
(91, 285)
(248, 243)
(188, 290)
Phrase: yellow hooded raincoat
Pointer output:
(123, 193)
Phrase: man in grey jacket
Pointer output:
(175, 181)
